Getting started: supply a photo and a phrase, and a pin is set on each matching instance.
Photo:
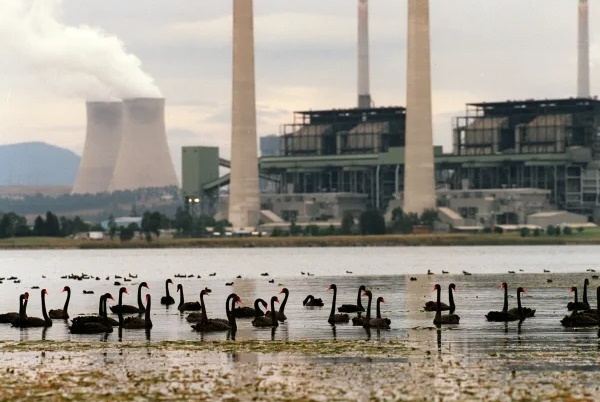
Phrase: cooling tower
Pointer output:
(364, 93)
(244, 196)
(419, 174)
(102, 142)
(583, 45)
(143, 159)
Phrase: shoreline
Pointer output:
(445, 240)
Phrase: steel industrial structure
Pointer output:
(548, 144)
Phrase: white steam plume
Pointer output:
(77, 60)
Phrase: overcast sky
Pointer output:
(489, 50)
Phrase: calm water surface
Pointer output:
(386, 271)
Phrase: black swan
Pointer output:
(280, 313)
(264, 321)
(583, 318)
(168, 299)
(577, 305)
(378, 322)
(120, 303)
(249, 312)
(259, 316)
(340, 318)
(189, 306)
(353, 308)
(440, 319)
(504, 315)
(361, 319)
(520, 311)
(216, 324)
(91, 324)
(129, 309)
(23, 321)
(432, 305)
(310, 301)
(9, 318)
(58, 313)
(138, 322)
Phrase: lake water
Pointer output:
(385, 271)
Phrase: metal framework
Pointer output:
(343, 132)
(527, 127)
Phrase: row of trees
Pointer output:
(14, 225)
(370, 222)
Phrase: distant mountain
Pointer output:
(37, 164)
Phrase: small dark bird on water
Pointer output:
(272, 281)
(445, 272)
(117, 283)
(213, 274)
(229, 284)
(348, 272)
(412, 278)
(239, 277)
(511, 272)
(264, 274)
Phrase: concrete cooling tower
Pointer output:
(103, 137)
(143, 158)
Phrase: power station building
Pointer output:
(341, 160)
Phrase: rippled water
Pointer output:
(386, 271)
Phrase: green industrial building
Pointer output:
(358, 155)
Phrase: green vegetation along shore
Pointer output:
(589, 236)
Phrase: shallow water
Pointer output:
(386, 271)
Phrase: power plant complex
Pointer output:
(515, 162)
(125, 148)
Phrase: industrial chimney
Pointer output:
(244, 195)
(103, 137)
(364, 93)
(583, 45)
(143, 160)
(419, 173)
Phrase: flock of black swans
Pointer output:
(138, 317)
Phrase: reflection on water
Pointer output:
(384, 271)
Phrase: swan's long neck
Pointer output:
(66, 306)
(181, 298)
(451, 299)
(230, 317)
(140, 303)
(306, 300)
(120, 314)
(575, 292)
(505, 307)
(438, 309)
(358, 301)
(379, 308)
(585, 285)
(204, 316)
(167, 288)
(257, 309)
(44, 313)
(274, 322)
(520, 309)
(25, 307)
(287, 294)
(333, 302)
(100, 311)
(147, 313)
(370, 296)
(21, 307)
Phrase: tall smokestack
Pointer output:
(103, 137)
(364, 93)
(244, 196)
(583, 70)
(144, 159)
(419, 174)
